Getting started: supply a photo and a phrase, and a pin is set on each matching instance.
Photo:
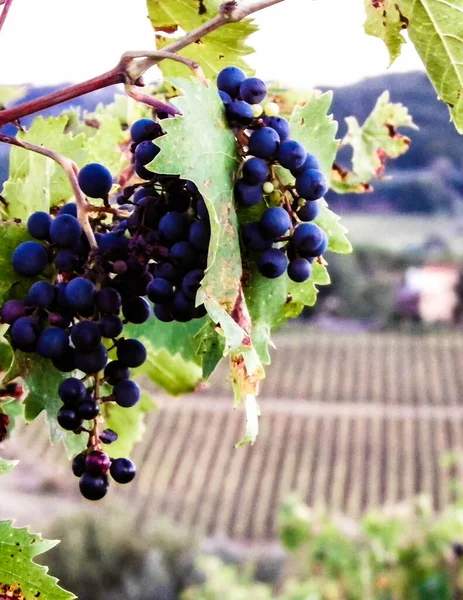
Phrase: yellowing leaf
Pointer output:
(385, 22)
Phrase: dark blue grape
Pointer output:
(78, 465)
(108, 300)
(65, 231)
(93, 361)
(93, 487)
(310, 162)
(311, 184)
(173, 227)
(108, 436)
(66, 362)
(254, 238)
(309, 211)
(182, 307)
(320, 249)
(115, 372)
(131, 353)
(272, 263)
(201, 209)
(255, 170)
(168, 271)
(142, 171)
(95, 180)
(136, 309)
(66, 261)
(226, 99)
(114, 246)
(145, 129)
(200, 234)
(183, 255)
(280, 125)
(253, 90)
(41, 294)
(299, 270)
(229, 80)
(88, 409)
(72, 391)
(199, 312)
(38, 225)
(308, 237)
(80, 294)
(126, 393)
(160, 290)
(122, 470)
(275, 221)
(69, 209)
(162, 313)
(29, 259)
(52, 343)
(146, 152)
(25, 333)
(68, 419)
(12, 311)
(264, 143)
(240, 112)
(247, 194)
(140, 194)
(85, 335)
(191, 282)
(291, 154)
(110, 326)
(57, 320)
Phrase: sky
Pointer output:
(302, 43)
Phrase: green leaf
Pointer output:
(19, 573)
(384, 21)
(7, 465)
(42, 381)
(127, 423)
(11, 235)
(330, 222)
(224, 47)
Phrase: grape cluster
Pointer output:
(284, 237)
(152, 242)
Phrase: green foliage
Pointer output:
(11, 235)
(18, 571)
(7, 465)
(436, 30)
(217, 50)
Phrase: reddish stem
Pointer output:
(6, 7)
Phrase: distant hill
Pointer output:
(428, 179)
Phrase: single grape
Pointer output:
(308, 237)
(309, 211)
(253, 90)
(275, 221)
(72, 391)
(78, 465)
(254, 237)
(173, 227)
(41, 294)
(12, 310)
(291, 154)
(25, 333)
(66, 362)
(93, 361)
(108, 300)
(115, 372)
(182, 307)
(299, 270)
(272, 263)
(66, 261)
(122, 470)
(67, 418)
(183, 255)
(280, 125)
(264, 143)
(108, 436)
(145, 129)
(200, 234)
(88, 409)
(247, 194)
(29, 259)
(257, 110)
(95, 180)
(97, 462)
(136, 309)
(191, 282)
(142, 171)
(272, 109)
(119, 267)
(240, 112)
(168, 271)
(52, 343)
(65, 231)
(229, 80)
(126, 393)
(268, 187)
(38, 225)
(146, 152)
(311, 184)
(160, 291)
(320, 249)
(93, 487)
(114, 246)
(255, 170)
(310, 162)
(162, 313)
(80, 293)
(111, 326)
(131, 353)
(69, 209)
(85, 335)
(226, 99)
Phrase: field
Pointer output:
(351, 420)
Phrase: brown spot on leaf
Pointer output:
(168, 28)
(202, 10)
(343, 176)
(11, 592)
(199, 42)
(402, 18)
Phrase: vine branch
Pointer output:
(6, 7)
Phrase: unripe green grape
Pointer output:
(268, 187)
(257, 110)
(272, 109)
(275, 196)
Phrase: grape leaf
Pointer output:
(19, 573)
(11, 235)
(127, 423)
(42, 381)
(385, 21)
(7, 465)
(435, 28)
(11, 93)
(35, 181)
(215, 51)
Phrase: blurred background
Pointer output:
(354, 487)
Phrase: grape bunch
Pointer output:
(284, 237)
